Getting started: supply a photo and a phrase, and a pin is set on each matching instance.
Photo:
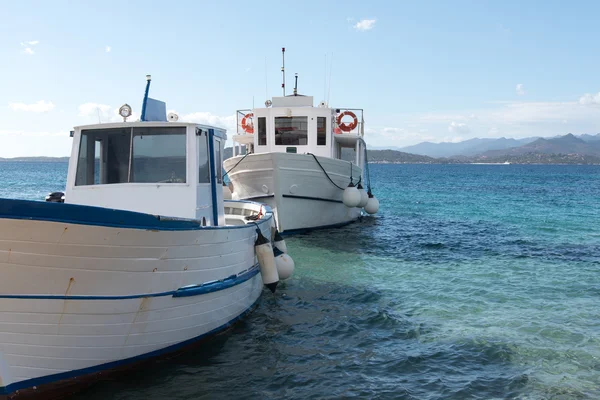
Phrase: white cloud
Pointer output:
(38, 107)
(93, 109)
(107, 49)
(458, 127)
(102, 113)
(590, 99)
(365, 24)
(201, 117)
(28, 47)
(520, 90)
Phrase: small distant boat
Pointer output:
(140, 257)
(294, 162)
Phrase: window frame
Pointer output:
(101, 135)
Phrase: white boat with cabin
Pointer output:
(294, 162)
(143, 257)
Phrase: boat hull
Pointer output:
(295, 186)
(78, 298)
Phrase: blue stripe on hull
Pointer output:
(186, 291)
(98, 216)
(30, 383)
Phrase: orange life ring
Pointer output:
(247, 124)
(345, 126)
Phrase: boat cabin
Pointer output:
(170, 169)
(291, 124)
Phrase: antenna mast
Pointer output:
(283, 69)
(296, 86)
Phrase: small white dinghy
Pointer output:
(139, 258)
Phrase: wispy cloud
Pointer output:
(27, 47)
(102, 113)
(590, 99)
(38, 107)
(107, 49)
(520, 89)
(365, 24)
(458, 127)
(202, 117)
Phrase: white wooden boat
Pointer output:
(143, 258)
(293, 162)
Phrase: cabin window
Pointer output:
(203, 166)
(103, 156)
(158, 155)
(262, 131)
(321, 131)
(291, 131)
(122, 155)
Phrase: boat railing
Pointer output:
(360, 126)
(358, 130)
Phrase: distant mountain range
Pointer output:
(473, 147)
(567, 149)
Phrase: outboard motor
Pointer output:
(56, 197)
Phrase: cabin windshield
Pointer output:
(124, 155)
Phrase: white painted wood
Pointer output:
(279, 174)
(40, 336)
(56, 261)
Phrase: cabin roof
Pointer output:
(219, 132)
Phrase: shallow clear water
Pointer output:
(473, 282)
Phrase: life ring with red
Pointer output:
(347, 127)
(247, 124)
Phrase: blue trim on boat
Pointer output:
(186, 291)
(213, 176)
(144, 103)
(210, 287)
(6, 390)
(305, 230)
(312, 198)
(99, 216)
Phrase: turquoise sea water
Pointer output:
(473, 282)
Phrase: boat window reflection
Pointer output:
(291, 131)
(262, 131)
(158, 155)
(321, 131)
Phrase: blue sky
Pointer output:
(422, 70)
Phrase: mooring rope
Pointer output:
(238, 163)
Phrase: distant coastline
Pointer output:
(35, 159)
(399, 157)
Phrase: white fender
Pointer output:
(266, 261)
(351, 196)
(372, 205)
(279, 242)
(285, 264)
(364, 196)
